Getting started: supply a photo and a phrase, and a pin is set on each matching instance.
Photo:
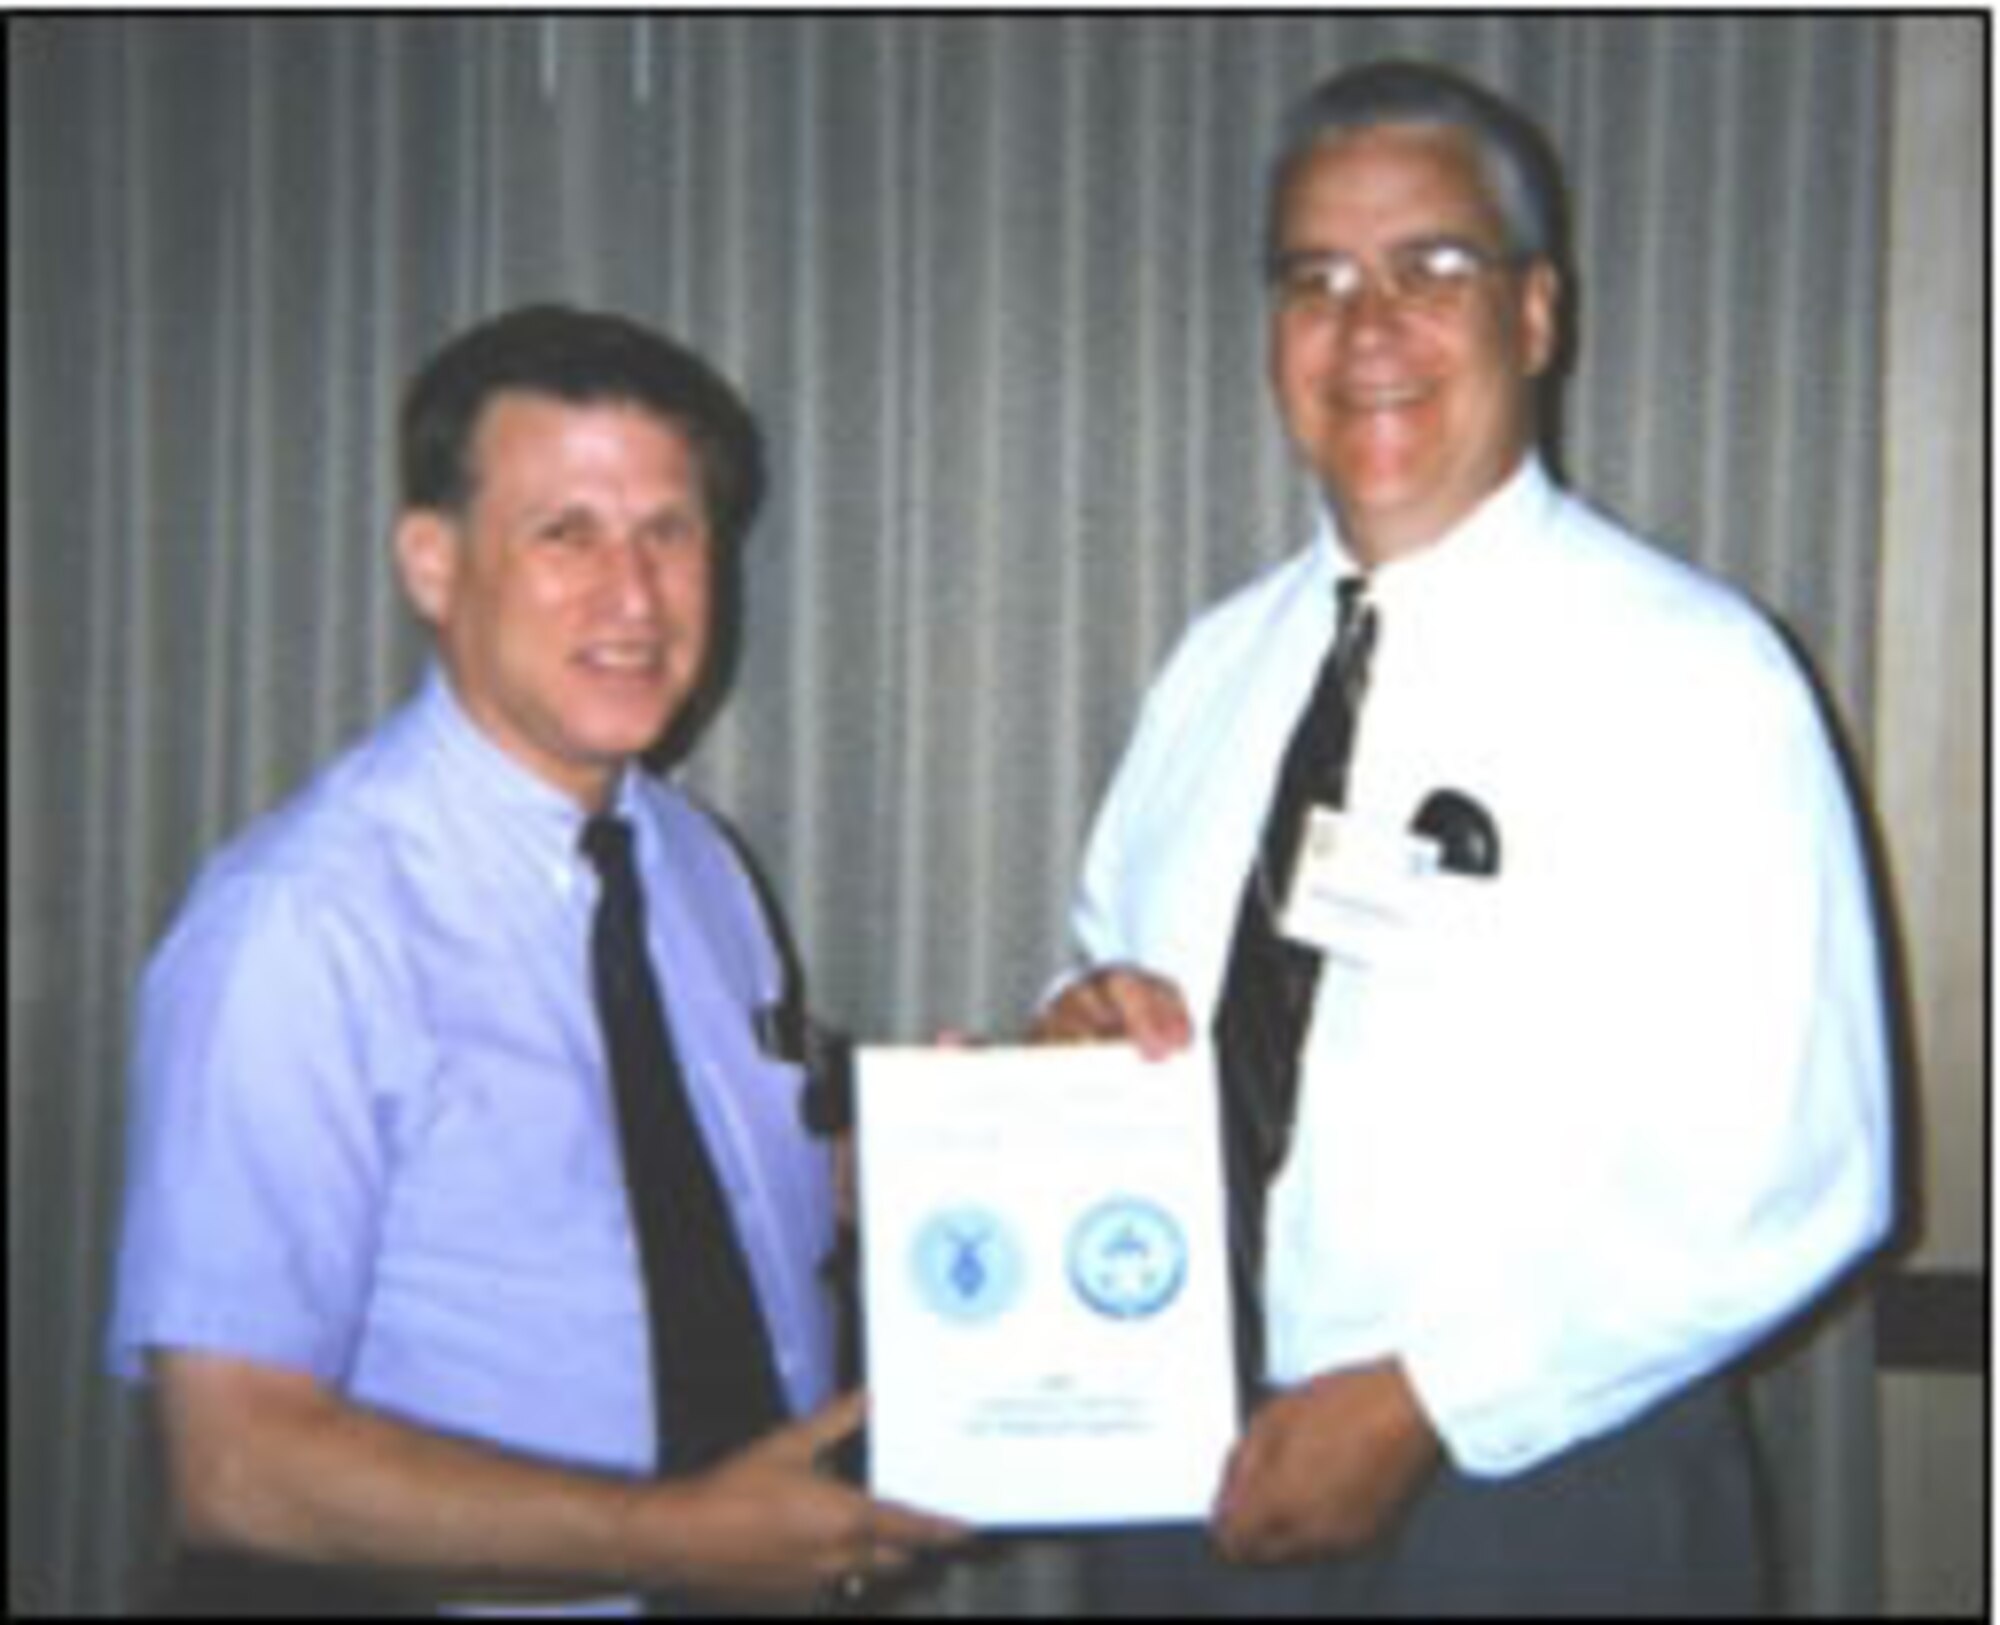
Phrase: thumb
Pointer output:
(837, 1420)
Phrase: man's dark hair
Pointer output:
(585, 358)
(1521, 170)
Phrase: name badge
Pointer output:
(1350, 894)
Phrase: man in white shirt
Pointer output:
(1591, 1077)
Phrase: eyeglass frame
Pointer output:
(1308, 274)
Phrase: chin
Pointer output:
(1377, 502)
(630, 732)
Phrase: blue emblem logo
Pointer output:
(967, 1265)
(1127, 1258)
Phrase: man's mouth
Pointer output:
(623, 659)
(1380, 397)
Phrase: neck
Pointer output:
(1373, 543)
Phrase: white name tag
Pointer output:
(1350, 893)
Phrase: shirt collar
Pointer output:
(1464, 555)
(548, 821)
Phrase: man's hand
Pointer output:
(1325, 1468)
(1118, 1002)
(769, 1525)
(268, 1461)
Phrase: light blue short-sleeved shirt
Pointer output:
(373, 1136)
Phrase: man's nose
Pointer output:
(1375, 307)
(629, 572)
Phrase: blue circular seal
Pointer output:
(967, 1264)
(1127, 1258)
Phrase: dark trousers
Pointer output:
(1662, 1517)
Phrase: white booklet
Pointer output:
(1045, 1283)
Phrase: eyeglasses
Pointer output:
(1432, 276)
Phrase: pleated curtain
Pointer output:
(991, 285)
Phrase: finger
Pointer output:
(1151, 1012)
(1239, 1530)
(832, 1424)
(1229, 1494)
(1078, 1013)
(1244, 1481)
(891, 1524)
(1225, 1525)
(1225, 1535)
(1117, 1002)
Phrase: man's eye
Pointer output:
(566, 530)
(1461, 263)
(1444, 262)
(1317, 279)
(684, 530)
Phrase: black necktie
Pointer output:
(714, 1385)
(1267, 991)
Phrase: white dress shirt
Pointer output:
(1572, 1136)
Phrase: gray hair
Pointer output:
(1521, 170)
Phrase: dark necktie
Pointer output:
(714, 1385)
(1267, 991)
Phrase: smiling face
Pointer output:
(1409, 417)
(572, 597)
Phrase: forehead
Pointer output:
(1387, 182)
(523, 437)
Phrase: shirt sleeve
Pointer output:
(1096, 916)
(1709, 1142)
(1147, 896)
(257, 1166)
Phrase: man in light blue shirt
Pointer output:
(378, 1258)
(1592, 1086)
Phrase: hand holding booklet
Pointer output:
(1045, 1283)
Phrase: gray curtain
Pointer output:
(991, 286)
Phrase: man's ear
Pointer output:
(1541, 316)
(427, 557)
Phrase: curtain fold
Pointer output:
(991, 284)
